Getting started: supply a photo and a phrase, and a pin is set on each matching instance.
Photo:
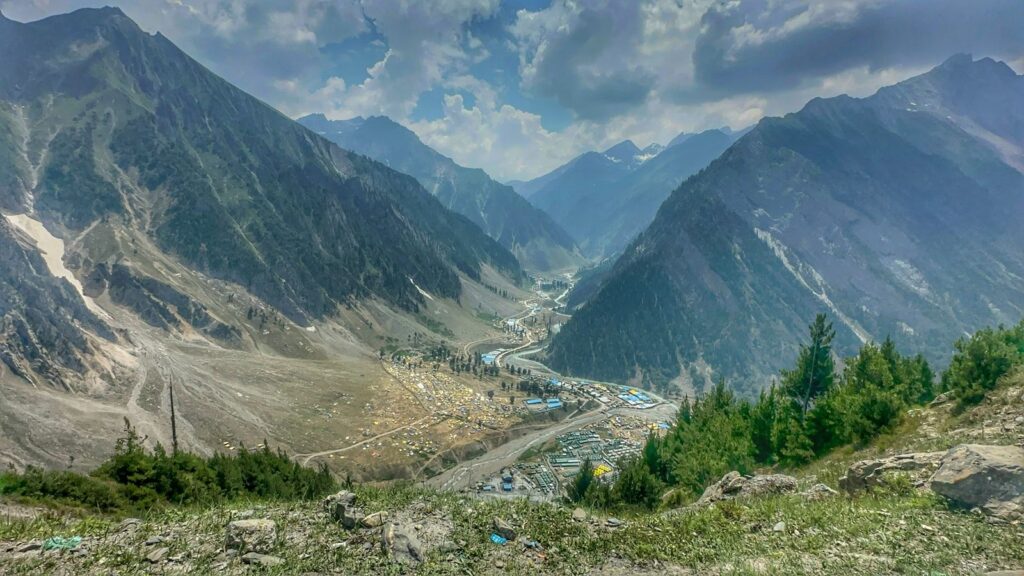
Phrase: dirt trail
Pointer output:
(305, 458)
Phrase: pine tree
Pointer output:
(581, 484)
(815, 370)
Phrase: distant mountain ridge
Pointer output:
(890, 213)
(504, 215)
(604, 199)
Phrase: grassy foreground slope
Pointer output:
(896, 529)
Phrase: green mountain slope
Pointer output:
(105, 122)
(889, 213)
(605, 199)
(504, 215)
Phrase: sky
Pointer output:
(518, 87)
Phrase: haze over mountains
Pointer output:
(529, 233)
(604, 199)
(897, 214)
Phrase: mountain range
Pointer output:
(160, 225)
(896, 214)
(604, 199)
(538, 242)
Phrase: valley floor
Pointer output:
(900, 528)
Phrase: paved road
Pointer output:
(486, 466)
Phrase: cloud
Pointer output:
(426, 42)
(582, 55)
(508, 142)
(601, 70)
(747, 46)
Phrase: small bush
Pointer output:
(981, 361)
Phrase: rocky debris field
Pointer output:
(759, 524)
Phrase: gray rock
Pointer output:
(869, 473)
(157, 556)
(818, 492)
(341, 507)
(732, 485)
(261, 559)
(253, 535)
(129, 524)
(990, 478)
(374, 520)
(942, 399)
(779, 527)
(402, 544)
(504, 529)
(153, 540)
(30, 546)
(613, 522)
(579, 515)
(344, 497)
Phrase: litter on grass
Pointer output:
(61, 543)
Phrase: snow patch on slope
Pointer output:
(51, 249)
(810, 279)
(421, 290)
(910, 277)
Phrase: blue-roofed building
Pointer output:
(534, 401)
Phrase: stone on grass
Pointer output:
(402, 544)
(344, 497)
(261, 559)
(989, 478)
(254, 535)
(504, 529)
(156, 556)
(374, 520)
(869, 473)
(818, 492)
(733, 485)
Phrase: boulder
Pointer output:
(504, 529)
(402, 544)
(253, 535)
(579, 515)
(990, 478)
(868, 473)
(374, 520)
(733, 485)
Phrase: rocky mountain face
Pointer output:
(47, 334)
(105, 122)
(497, 209)
(895, 214)
(604, 199)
